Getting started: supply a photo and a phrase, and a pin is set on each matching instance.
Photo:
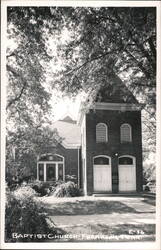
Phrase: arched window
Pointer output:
(126, 160)
(101, 132)
(51, 157)
(101, 160)
(50, 167)
(126, 133)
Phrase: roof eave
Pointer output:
(118, 106)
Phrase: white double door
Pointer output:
(127, 178)
(126, 175)
(102, 178)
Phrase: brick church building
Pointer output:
(102, 150)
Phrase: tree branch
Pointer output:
(89, 61)
(12, 54)
(144, 85)
(151, 44)
(138, 64)
(142, 50)
(139, 45)
(12, 101)
(152, 128)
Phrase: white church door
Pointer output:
(102, 174)
(127, 174)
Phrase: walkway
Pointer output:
(67, 212)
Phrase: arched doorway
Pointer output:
(102, 173)
(127, 173)
(50, 167)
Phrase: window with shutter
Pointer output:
(126, 135)
(101, 132)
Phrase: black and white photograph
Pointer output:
(80, 112)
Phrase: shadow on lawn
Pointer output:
(89, 207)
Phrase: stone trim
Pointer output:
(117, 106)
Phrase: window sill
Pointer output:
(102, 142)
(126, 142)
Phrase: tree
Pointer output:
(89, 46)
(23, 147)
(107, 41)
(28, 108)
(100, 40)
(26, 76)
(121, 38)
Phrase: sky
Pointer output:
(65, 106)
(62, 106)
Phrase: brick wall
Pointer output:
(113, 119)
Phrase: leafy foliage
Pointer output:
(103, 40)
(95, 41)
(23, 147)
(55, 188)
(28, 108)
(149, 174)
(23, 192)
(68, 189)
(27, 96)
(80, 49)
(45, 188)
(89, 44)
(72, 178)
(25, 215)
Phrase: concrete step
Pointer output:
(118, 194)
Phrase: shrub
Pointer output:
(149, 177)
(25, 215)
(45, 188)
(72, 178)
(68, 189)
(149, 173)
(24, 191)
(41, 188)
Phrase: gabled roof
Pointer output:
(112, 95)
(115, 91)
(69, 131)
(68, 119)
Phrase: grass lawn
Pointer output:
(118, 232)
(102, 219)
